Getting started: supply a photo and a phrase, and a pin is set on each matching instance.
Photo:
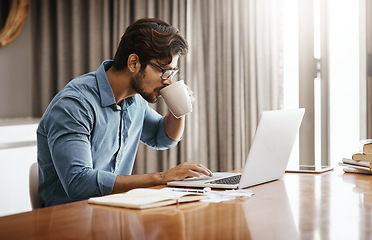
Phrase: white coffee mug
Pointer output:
(177, 98)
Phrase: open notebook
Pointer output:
(267, 158)
(142, 198)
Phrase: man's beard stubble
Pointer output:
(137, 84)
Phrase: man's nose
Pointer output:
(168, 81)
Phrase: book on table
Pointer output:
(352, 162)
(360, 162)
(365, 151)
(362, 157)
(352, 166)
(365, 146)
(142, 198)
(356, 170)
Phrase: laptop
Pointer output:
(267, 158)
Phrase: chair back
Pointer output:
(34, 186)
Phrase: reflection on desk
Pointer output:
(274, 220)
(183, 221)
(332, 205)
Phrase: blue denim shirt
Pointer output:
(85, 139)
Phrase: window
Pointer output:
(323, 62)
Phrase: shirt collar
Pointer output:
(104, 87)
(105, 90)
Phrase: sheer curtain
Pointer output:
(234, 66)
(368, 100)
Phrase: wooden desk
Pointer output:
(332, 205)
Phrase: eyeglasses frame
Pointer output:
(163, 70)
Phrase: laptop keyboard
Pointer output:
(228, 180)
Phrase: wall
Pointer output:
(17, 136)
(17, 153)
(15, 76)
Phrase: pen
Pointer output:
(187, 190)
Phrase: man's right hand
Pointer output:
(185, 170)
(178, 173)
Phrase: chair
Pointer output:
(34, 186)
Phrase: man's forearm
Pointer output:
(174, 126)
(126, 183)
(180, 172)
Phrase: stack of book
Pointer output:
(360, 162)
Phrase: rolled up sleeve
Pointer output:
(153, 132)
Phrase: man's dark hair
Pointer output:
(150, 39)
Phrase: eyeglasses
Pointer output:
(166, 73)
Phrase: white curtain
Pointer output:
(234, 66)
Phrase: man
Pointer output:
(89, 134)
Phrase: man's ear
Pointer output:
(133, 63)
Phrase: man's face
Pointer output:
(148, 82)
